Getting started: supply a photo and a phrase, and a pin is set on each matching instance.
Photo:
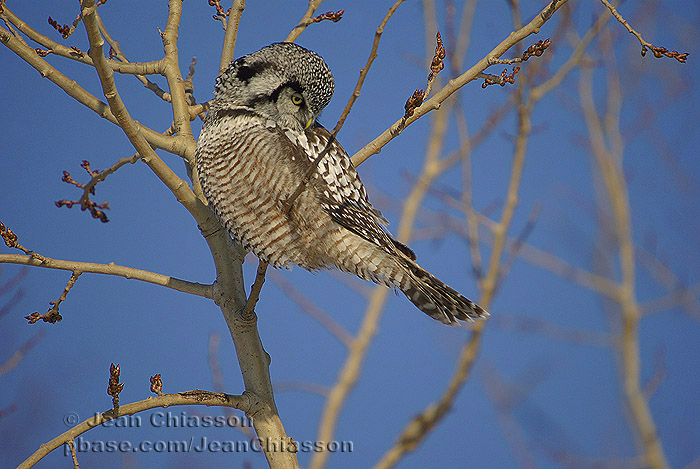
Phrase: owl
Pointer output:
(259, 140)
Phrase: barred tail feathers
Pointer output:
(394, 267)
(436, 299)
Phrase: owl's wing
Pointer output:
(338, 173)
(364, 224)
(344, 196)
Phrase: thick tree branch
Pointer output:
(229, 293)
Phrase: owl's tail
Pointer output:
(436, 299)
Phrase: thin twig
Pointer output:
(465, 152)
(363, 72)
(255, 291)
(116, 51)
(229, 46)
(439, 97)
(503, 79)
(356, 94)
(436, 65)
(301, 386)
(71, 444)
(536, 256)
(682, 297)
(656, 50)
(657, 377)
(505, 397)
(304, 22)
(220, 15)
(102, 175)
(53, 47)
(289, 203)
(533, 325)
(184, 286)
(52, 315)
(333, 16)
(96, 210)
(535, 50)
(665, 276)
(12, 241)
(66, 30)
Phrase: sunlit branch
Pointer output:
(111, 269)
(304, 22)
(229, 46)
(196, 397)
(453, 85)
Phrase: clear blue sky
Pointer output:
(568, 396)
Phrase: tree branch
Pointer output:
(350, 372)
(29, 55)
(171, 70)
(304, 22)
(245, 402)
(229, 46)
(420, 426)
(453, 85)
(610, 169)
(173, 283)
(255, 290)
(656, 50)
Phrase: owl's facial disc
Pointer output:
(284, 82)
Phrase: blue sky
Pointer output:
(568, 394)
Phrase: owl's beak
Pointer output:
(308, 124)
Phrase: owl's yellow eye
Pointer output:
(297, 99)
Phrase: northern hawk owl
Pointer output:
(258, 142)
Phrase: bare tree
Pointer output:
(533, 71)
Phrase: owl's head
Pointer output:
(283, 81)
